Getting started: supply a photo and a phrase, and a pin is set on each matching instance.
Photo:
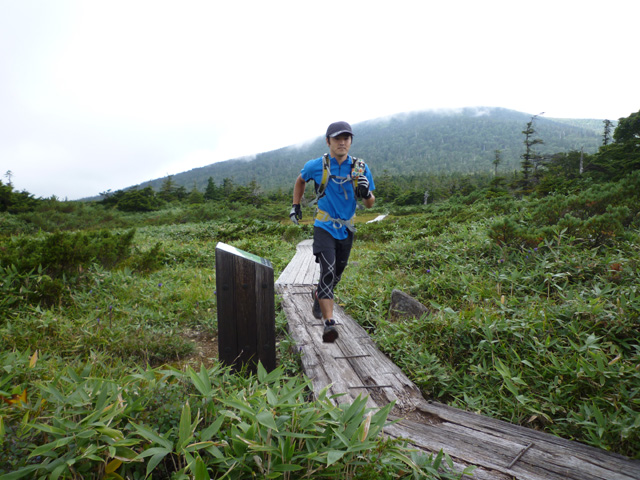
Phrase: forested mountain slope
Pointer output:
(463, 141)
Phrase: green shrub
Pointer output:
(66, 253)
(59, 259)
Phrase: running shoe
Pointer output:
(330, 333)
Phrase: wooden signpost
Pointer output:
(246, 310)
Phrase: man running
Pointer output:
(333, 231)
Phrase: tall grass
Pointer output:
(102, 378)
(542, 334)
(536, 313)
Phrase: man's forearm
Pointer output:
(298, 190)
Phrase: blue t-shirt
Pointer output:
(339, 200)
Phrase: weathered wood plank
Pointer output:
(375, 368)
(302, 270)
(303, 273)
(544, 460)
(523, 435)
(318, 359)
(354, 353)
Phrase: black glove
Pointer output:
(362, 189)
(296, 213)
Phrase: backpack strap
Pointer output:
(326, 175)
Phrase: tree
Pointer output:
(387, 188)
(135, 200)
(497, 161)
(530, 157)
(13, 201)
(227, 187)
(195, 196)
(110, 199)
(168, 189)
(606, 136)
(410, 197)
(561, 173)
(621, 157)
(628, 131)
(6, 192)
(181, 192)
(211, 192)
(497, 185)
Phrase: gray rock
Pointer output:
(405, 306)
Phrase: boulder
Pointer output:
(405, 306)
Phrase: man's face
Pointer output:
(339, 146)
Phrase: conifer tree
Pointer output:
(497, 161)
(211, 192)
(529, 158)
(168, 189)
(227, 186)
(181, 192)
(622, 156)
(606, 136)
(195, 195)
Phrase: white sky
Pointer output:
(98, 95)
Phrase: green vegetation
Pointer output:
(535, 317)
(419, 143)
(106, 370)
(108, 322)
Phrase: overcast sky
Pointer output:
(98, 95)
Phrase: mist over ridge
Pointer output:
(434, 141)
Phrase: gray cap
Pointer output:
(338, 128)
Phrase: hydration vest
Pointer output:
(357, 169)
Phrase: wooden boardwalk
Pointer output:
(353, 366)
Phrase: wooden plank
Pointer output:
(477, 426)
(312, 272)
(304, 262)
(288, 274)
(524, 435)
(353, 356)
(302, 270)
(317, 362)
(309, 273)
(496, 453)
(376, 368)
(311, 268)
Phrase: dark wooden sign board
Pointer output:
(246, 310)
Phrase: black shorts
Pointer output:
(323, 241)
(333, 256)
